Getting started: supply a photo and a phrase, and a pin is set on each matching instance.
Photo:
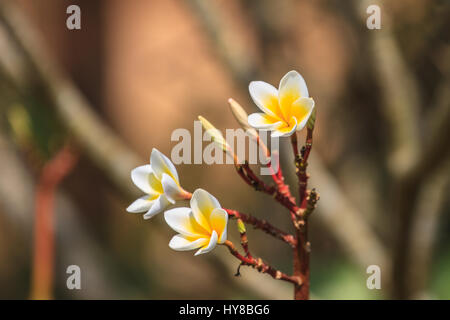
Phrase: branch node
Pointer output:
(278, 275)
(308, 247)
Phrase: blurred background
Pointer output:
(80, 108)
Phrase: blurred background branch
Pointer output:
(102, 145)
(414, 156)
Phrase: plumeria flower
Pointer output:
(203, 225)
(159, 181)
(286, 109)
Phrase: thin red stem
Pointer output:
(282, 196)
(262, 267)
(302, 175)
(264, 226)
(281, 191)
(259, 224)
(294, 142)
(302, 251)
(275, 176)
(244, 239)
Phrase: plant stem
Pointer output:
(301, 263)
(264, 226)
(302, 175)
(302, 251)
(262, 267)
(280, 194)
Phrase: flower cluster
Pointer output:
(203, 225)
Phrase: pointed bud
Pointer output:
(312, 120)
(241, 226)
(241, 117)
(215, 134)
(239, 113)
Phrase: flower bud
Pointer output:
(241, 117)
(312, 120)
(215, 134)
(241, 226)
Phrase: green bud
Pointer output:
(241, 226)
(312, 120)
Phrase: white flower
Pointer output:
(286, 109)
(159, 181)
(203, 225)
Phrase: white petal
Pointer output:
(177, 218)
(293, 81)
(140, 205)
(161, 164)
(302, 109)
(181, 243)
(211, 245)
(219, 222)
(265, 96)
(285, 131)
(182, 221)
(292, 87)
(158, 205)
(171, 189)
(202, 204)
(263, 121)
(140, 177)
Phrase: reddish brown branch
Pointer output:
(294, 142)
(280, 194)
(301, 163)
(264, 226)
(301, 263)
(302, 175)
(52, 174)
(243, 235)
(275, 175)
(280, 191)
(262, 267)
(243, 175)
(311, 202)
(307, 204)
